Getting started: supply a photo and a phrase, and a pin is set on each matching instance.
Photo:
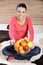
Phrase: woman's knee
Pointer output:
(37, 50)
(4, 50)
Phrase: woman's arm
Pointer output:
(11, 28)
(30, 28)
(11, 31)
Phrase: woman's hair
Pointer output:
(21, 5)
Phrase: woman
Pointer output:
(19, 27)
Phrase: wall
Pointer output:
(35, 10)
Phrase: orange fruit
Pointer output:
(21, 51)
(16, 45)
(20, 47)
(16, 49)
(23, 43)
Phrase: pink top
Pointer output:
(17, 31)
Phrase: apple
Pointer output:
(30, 44)
(26, 48)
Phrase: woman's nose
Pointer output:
(20, 14)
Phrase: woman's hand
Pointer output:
(12, 42)
(33, 46)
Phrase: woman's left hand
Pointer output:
(33, 46)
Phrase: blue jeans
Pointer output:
(10, 51)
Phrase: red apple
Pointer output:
(26, 48)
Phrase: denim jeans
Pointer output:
(10, 51)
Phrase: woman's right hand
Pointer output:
(12, 42)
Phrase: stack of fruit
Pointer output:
(23, 45)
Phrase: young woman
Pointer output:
(19, 27)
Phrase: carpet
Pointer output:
(37, 62)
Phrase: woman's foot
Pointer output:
(10, 58)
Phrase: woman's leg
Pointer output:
(33, 52)
(9, 51)
(28, 56)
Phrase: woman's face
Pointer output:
(21, 13)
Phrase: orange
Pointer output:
(20, 47)
(23, 43)
(21, 51)
(16, 45)
(16, 49)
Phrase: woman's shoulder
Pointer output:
(28, 18)
(13, 17)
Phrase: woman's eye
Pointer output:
(18, 11)
(23, 12)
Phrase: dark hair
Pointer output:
(21, 5)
